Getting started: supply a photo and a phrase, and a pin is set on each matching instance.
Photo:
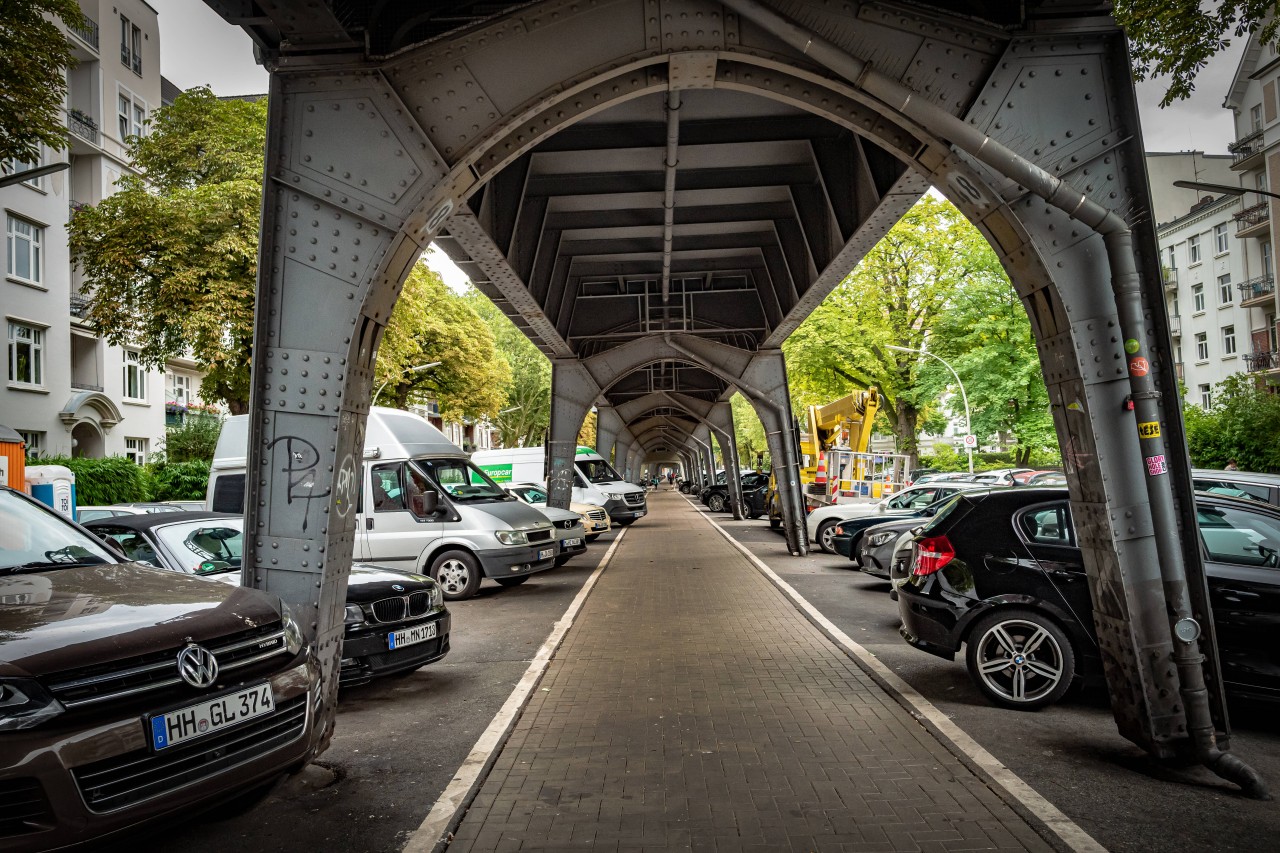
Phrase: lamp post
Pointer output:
(418, 369)
(968, 421)
(1225, 189)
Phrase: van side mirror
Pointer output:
(425, 504)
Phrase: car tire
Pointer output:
(1020, 659)
(457, 573)
(826, 530)
(514, 580)
(716, 502)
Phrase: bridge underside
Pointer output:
(657, 192)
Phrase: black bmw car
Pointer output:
(395, 622)
(1001, 573)
(716, 497)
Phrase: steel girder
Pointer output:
(599, 221)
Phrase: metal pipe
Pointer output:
(669, 195)
(898, 100)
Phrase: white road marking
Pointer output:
(436, 829)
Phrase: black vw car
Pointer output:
(395, 622)
(1000, 572)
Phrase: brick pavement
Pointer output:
(692, 707)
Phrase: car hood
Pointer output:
(553, 514)
(76, 617)
(365, 583)
(513, 514)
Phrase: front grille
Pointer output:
(539, 536)
(401, 607)
(634, 498)
(139, 775)
(23, 807)
(598, 515)
(420, 652)
(103, 682)
(567, 524)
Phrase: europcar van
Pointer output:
(423, 506)
(594, 480)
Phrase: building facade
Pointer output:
(66, 390)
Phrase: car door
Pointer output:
(1043, 560)
(392, 534)
(1242, 559)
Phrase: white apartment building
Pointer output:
(66, 391)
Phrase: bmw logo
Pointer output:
(397, 587)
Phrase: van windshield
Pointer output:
(597, 470)
(462, 481)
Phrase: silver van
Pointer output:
(423, 506)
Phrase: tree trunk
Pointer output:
(907, 417)
(238, 407)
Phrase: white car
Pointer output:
(821, 523)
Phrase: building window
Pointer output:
(26, 354)
(34, 441)
(136, 450)
(1206, 398)
(1228, 340)
(1255, 117)
(1197, 298)
(12, 165)
(1193, 248)
(1176, 312)
(1224, 289)
(135, 377)
(130, 45)
(24, 241)
(1202, 346)
(179, 389)
(1220, 244)
(1265, 248)
(1170, 260)
(131, 114)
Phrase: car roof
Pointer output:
(159, 519)
(1238, 476)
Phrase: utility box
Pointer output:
(13, 457)
(54, 486)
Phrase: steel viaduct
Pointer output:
(658, 192)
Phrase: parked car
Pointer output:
(129, 694)
(716, 497)
(1240, 484)
(821, 523)
(879, 542)
(914, 475)
(1046, 478)
(1002, 476)
(570, 524)
(89, 513)
(1000, 573)
(395, 622)
(595, 519)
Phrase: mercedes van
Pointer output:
(594, 480)
(423, 506)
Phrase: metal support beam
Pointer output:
(572, 393)
(721, 423)
(608, 427)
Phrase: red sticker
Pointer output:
(1157, 465)
(1139, 366)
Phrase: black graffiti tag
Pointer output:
(301, 461)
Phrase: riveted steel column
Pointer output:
(721, 421)
(608, 427)
(572, 393)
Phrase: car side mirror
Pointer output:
(425, 504)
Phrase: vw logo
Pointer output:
(197, 666)
(397, 587)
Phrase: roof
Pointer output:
(152, 520)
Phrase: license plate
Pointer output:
(210, 716)
(572, 543)
(546, 553)
(409, 636)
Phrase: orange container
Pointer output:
(13, 459)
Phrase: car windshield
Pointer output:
(462, 481)
(33, 538)
(530, 494)
(205, 547)
(597, 470)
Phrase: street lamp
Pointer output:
(968, 421)
(418, 369)
(28, 174)
(1225, 189)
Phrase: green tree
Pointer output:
(748, 434)
(1178, 37)
(181, 242)
(432, 323)
(526, 412)
(34, 58)
(1242, 425)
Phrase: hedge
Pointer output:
(180, 481)
(99, 482)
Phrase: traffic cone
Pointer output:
(820, 477)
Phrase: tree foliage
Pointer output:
(431, 323)
(748, 434)
(1242, 424)
(170, 259)
(102, 482)
(34, 58)
(1178, 37)
(526, 411)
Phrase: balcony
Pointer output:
(1259, 361)
(1175, 325)
(82, 125)
(85, 386)
(1169, 277)
(80, 306)
(1258, 291)
(1245, 149)
(87, 34)
(1253, 220)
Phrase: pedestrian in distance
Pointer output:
(1231, 465)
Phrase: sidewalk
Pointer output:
(693, 707)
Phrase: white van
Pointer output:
(594, 480)
(423, 506)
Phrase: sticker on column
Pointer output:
(1139, 366)
(1149, 429)
(1157, 465)
(1131, 346)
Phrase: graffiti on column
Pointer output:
(300, 462)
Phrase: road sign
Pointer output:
(971, 441)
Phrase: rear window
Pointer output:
(950, 512)
(1234, 489)
(228, 493)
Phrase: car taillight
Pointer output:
(839, 530)
(934, 553)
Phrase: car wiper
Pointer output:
(36, 565)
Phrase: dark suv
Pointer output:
(1001, 573)
(754, 483)
(128, 693)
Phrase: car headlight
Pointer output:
(511, 537)
(613, 496)
(878, 539)
(292, 630)
(354, 615)
(24, 703)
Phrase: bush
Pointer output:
(180, 481)
(1242, 425)
(194, 440)
(113, 480)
